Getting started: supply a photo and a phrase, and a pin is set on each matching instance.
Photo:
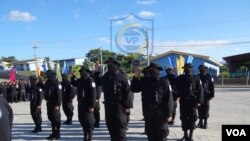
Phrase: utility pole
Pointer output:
(35, 55)
(147, 47)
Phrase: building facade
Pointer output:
(176, 60)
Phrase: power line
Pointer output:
(215, 44)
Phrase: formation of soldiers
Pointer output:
(159, 100)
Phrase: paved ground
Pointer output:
(231, 106)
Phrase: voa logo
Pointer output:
(236, 132)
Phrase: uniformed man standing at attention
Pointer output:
(208, 89)
(86, 97)
(116, 89)
(53, 96)
(68, 94)
(189, 89)
(157, 101)
(36, 97)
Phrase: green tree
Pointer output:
(10, 60)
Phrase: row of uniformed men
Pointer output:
(159, 99)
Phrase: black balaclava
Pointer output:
(188, 71)
(154, 73)
(203, 70)
(112, 67)
(84, 73)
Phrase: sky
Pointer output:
(70, 28)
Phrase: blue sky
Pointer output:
(69, 28)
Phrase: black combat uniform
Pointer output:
(116, 90)
(22, 91)
(6, 120)
(171, 78)
(4, 89)
(53, 96)
(157, 101)
(10, 92)
(36, 97)
(86, 97)
(68, 94)
(208, 89)
(189, 89)
(97, 79)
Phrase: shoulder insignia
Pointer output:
(60, 86)
(93, 84)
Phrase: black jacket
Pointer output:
(86, 92)
(116, 89)
(6, 120)
(156, 95)
(53, 93)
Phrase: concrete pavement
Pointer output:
(230, 106)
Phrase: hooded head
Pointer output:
(188, 68)
(154, 70)
(113, 65)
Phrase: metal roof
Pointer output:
(185, 53)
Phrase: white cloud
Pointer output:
(77, 14)
(104, 40)
(16, 15)
(144, 2)
(146, 14)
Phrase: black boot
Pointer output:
(190, 138)
(205, 123)
(37, 129)
(200, 124)
(185, 137)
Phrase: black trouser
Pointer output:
(174, 111)
(188, 115)
(36, 115)
(116, 121)
(23, 95)
(55, 117)
(68, 109)
(203, 110)
(97, 113)
(87, 121)
(155, 127)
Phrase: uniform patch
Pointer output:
(170, 88)
(200, 82)
(60, 87)
(40, 90)
(1, 113)
(93, 84)
(129, 82)
(212, 79)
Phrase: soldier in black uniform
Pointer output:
(117, 103)
(6, 119)
(171, 78)
(86, 97)
(97, 79)
(157, 101)
(53, 96)
(10, 92)
(68, 94)
(22, 90)
(208, 89)
(36, 97)
(189, 89)
(4, 89)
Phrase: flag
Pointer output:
(179, 64)
(58, 72)
(65, 69)
(38, 71)
(170, 62)
(45, 66)
(190, 59)
(12, 75)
